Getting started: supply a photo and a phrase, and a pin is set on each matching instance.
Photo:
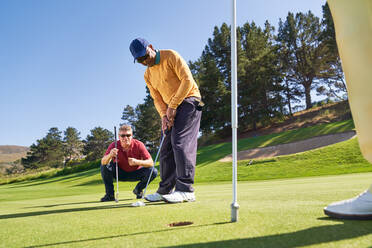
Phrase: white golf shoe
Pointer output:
(358, 208)
(154, 197)
(178, 196)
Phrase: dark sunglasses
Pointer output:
(143, 58)
(125, 135)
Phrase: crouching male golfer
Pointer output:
(134, 163)
(178, 102)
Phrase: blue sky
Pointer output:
(67, 62)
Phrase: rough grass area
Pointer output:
(33, 175)
(276, 213)
(340, 158)
(212, 153)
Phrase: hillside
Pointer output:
(327, 113)
(318, 121)
(324, 114)
(12, 153)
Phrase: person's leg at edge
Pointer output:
(353, 25)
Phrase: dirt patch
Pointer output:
(291, 148)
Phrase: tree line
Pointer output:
(277, 71)
(55, 150)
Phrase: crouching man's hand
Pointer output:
(133, 162)
(113, 152)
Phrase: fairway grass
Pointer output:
(273, 213)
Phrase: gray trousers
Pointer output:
(178, 153)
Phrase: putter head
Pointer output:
(138, 204)
(117, 197)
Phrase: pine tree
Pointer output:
(72, 144)
(97, 143)
(333, 82)
(259, 80)
(212, 73)
(145, 122)
(301, 35)
(47, 151)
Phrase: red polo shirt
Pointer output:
(136, 150)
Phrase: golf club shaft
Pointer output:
(117, 174)
(152, 170)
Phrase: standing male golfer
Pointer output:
(178, 102)
(134, 163)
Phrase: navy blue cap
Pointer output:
(138, 47)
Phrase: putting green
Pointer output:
(64, 212)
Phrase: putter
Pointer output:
(117, 176)
(141, 203)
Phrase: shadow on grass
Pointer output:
(73, 203)
(89, 183)
(169, 229)
(306, 237)
(310, 236)
(58, 211)
(260, 161)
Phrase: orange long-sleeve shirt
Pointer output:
(170, 81)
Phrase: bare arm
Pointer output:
(138, 162)
(106, 159)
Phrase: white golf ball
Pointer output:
(138, 204)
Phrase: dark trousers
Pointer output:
(178, 153)
(108, 173)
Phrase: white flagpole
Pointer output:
(234, 115)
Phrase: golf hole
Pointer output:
(182, 223)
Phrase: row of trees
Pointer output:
(276, 72)
(56, 151)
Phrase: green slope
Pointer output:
(213, 153)
(340, 158)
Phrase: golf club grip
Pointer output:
(115, 136)
(116, 146)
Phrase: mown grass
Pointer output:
(286, 212)
(341, 158)
(276, 213)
